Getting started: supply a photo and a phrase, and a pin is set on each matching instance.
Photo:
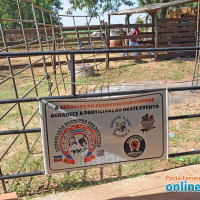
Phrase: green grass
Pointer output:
(186, 131)
(169, 70)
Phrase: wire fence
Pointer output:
(20, 119)
(35, 76)
(37, 64)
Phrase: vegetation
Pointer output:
(125, 73)
(186, 131)
(147, 2)
(9, 10)
(98, 7)
(164, 10)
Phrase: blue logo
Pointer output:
(183, 186)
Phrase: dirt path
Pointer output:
(149, 187)
(174, 98)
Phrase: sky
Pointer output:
(68, 21)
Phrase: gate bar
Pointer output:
(172, 89)
(11, 132)
(173, 155)
(37, 130)
(64, 52)
(73, 76)
(11, 176)
(184, 117)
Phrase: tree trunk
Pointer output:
(164, 10)
(163, 13)
(149, 2)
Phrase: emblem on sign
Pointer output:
(147, 123)
(134, 146)
(86, 132)
(120, 126)
(78, 141)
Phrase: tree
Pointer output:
(97, 7)
(163, 12)
(9, 10)
(147, 2)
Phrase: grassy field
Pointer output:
(187, 133)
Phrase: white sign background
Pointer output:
(82, 133)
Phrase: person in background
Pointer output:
(132, 41)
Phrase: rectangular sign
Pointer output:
(81, 133)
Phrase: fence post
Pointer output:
(120, 170)
(101, 173)
(107, 35)
(54, 56)
(2, 182)
(107, 42)
(73, 78)
(156, 34)
(127, 21)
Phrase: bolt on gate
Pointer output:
(71, 91)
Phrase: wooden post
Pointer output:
(156, 34)
(109, 23)
(101, 173)
(127, 21)
(107, 42)
(153, 29)
(54, 57)
(153, 22)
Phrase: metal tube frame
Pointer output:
(71, 64)
(74, 95)
(50, 31)
(14, 85)
(100, 51)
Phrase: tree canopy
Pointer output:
(163, 11)
(9, 10)
(98, 7)
(95, 7)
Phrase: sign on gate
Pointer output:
(81, 133)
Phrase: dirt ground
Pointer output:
(122, 76)
(149, 187)
(174, 98)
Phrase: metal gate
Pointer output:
(20, 101)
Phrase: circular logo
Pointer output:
(120, 126)
(78, 141)
(147, 123)
(134, 146)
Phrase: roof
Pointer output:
(152, 7)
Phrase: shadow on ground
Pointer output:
(163, 196)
